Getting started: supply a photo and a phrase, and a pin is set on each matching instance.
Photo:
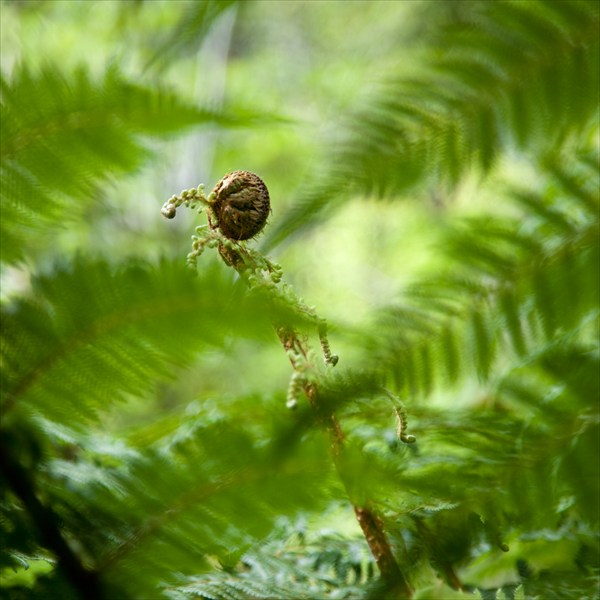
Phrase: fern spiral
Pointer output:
(241, 205)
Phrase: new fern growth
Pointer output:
(237, 209)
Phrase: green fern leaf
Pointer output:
(501, 73)
(191, 30)
(92, 334)
(504, 279)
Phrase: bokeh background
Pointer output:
(433, 173)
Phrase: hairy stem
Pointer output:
(260, 273)
(370, 524)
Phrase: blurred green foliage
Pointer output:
(434, 175)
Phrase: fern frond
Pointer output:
(320, 567)
(517, 306)
(93, 333)
(62, 135)
(503, 74)
(522, 458)
(175, 507)
(510, 286)
(176, 515)
(478, 476)
(191, 30)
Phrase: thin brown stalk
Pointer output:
(370, 523)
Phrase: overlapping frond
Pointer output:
(515, 305)
(499, 492)
(512, 287)
(205, 494)
(92, 333)
(521, 455)
(498, 76)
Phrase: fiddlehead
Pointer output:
(401, 419)
(241, 205)
(238, 206)
(237, 210)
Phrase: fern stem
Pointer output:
(379, 545)
(259, 272)
(370, 524)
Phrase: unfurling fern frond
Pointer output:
(62, 135)
(493, 358)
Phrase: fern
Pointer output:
(516, 305)
(92, 334)
(84, 133)
(490, 359)
(499, 75)
(298, 567)
(503, 289)
(159, 509)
